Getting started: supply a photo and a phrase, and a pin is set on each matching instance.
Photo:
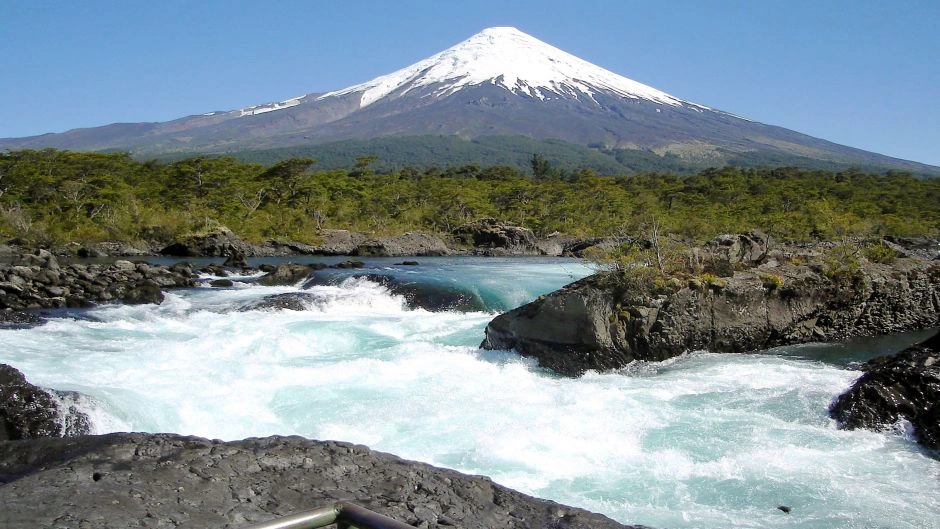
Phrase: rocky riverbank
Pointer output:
(486, 236)
(165, 480)
(38, 281)
(608, 320)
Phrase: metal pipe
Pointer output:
(366, 519)
(345, 515)
(304, 520)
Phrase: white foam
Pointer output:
(704, 440)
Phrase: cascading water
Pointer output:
(703, 440)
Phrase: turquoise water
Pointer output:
(701, 441)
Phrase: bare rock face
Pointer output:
(903, 386)
(602, 322)
(338, 242)
(408, 244)
(496, 238)
(218, 243)
(29, 412)
(165, 480)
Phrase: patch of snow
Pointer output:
(269, 107)
(513, 60)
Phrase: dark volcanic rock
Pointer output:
(38, 281)
(603, 322)
(903, 386)
(143, 294)
(430, 296)
(163, 480)
(18, 319)
(29, 412)
(286, 301)
(286, 274)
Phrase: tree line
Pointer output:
(51, 197)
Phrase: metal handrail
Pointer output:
(344, 515)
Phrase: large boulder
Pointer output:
(497, 238)
(165, 480)
(608, 320)
(220, 242)
(745, 248)
(903, 386)
(286, 274)
(30, 412)
(408, 244)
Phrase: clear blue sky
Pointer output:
(861, 73)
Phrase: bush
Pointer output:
(880, 252)
(772, 281)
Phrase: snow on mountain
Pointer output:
(268, 107)
(511, 59)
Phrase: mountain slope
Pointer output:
(499, 82)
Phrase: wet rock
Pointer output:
(285, 275)
(143, 294)
(165, 480)
(902, 386)
(15, 319)
(222, 283)
(29, 412)
(606, 321)
(236, 259)
(297, 301)
(349, 264)
(430, 296)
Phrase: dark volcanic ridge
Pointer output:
(164, 480)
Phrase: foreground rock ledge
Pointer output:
(902, 386)
(165, 480)
(602, 322)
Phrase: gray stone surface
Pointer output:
(602, 322)
(164, 480)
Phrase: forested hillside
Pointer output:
(50, 196)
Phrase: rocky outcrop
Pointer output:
(606, 321)
(491, 237)
(746, 248)
(903, 386)
(286, 274)
(408, 244)
(164, 480)
(338, 242)
(218, 243)
(29, 412)
(39, 281)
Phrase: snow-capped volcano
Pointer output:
(500, 82)
(511, 59)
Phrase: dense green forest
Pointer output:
(50, 197)
(515, 151)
